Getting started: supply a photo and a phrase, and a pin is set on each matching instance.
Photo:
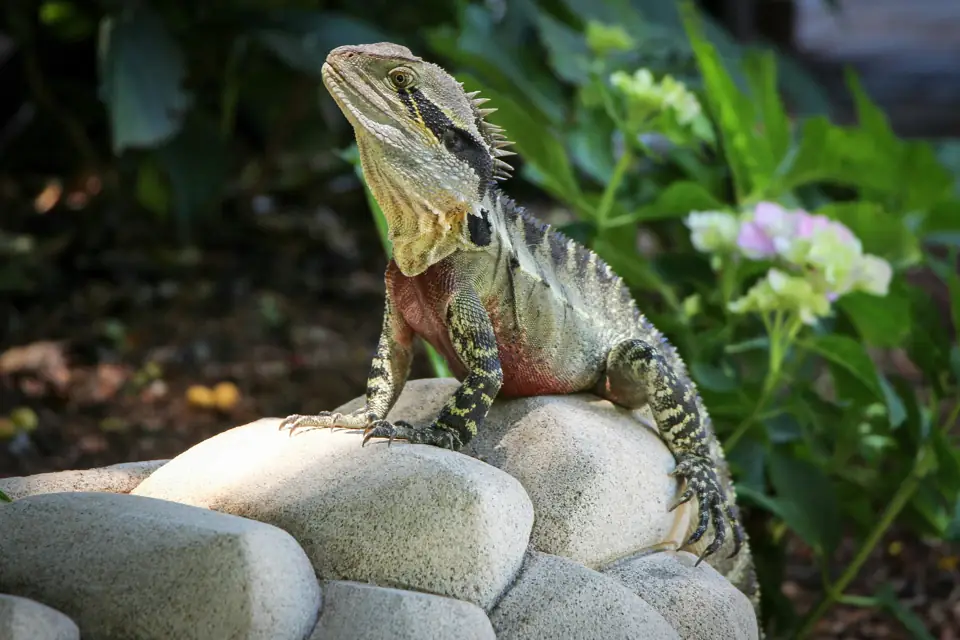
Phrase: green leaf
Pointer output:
(887, 598)
(302, 38)
(880, 321)
(567, 49)
(953, 287)
(4, 497)
(850, 356)
(749, 158)
(714, 378)
(896, 411)
(941, 225)
(880, 232)
(677, 200)
(807, 499)
(761, 71)
(479, 49)
(141, 72)
(195, 161)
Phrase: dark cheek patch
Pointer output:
(457, 141)
(408, 102)
(479, 228)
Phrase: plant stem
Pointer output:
(778, 346)
(606, 201)
(897, 503)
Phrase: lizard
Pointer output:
(515, 306)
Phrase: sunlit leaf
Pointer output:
(676, 200)
(761, 72)
(141, 78)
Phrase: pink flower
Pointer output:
(754, 241)
(758, 236)
(808, 224)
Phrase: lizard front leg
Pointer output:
(475, 343)
(683, 423)
(388, 374)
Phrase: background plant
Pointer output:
(629, 115)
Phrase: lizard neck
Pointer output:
(427, 222)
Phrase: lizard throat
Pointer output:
(423, 229)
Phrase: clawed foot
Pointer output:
(702, 481)
(431, 434)
(323, 420)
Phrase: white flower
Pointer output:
(713, 231)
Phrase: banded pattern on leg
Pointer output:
(474, 342)
(684, 425)
(388, 375)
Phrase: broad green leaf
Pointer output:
(880, 232)
(141, 78)
(808, 499)
(941, 225)
(677, 200)
(761, 71)
(880, 321)
(928, 344)
(479, 50)
(783, 428)
(830, 154)
(748, 157)
(714, 378)
(302, 38)
(923, 182)
(850, 356)
(871, 119)
(953, 288)
(748, 457)
(590, 140)
(567, 49)
(948, 463)
(4, 497)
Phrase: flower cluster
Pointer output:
(646, 98)
(817, 259)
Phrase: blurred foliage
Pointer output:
(185, 114)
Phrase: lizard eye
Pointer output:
(402, 77)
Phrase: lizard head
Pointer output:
(427, 153)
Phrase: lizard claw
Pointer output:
(322, 420)
(433, 434)
(714, 506)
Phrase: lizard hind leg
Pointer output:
(641, 371)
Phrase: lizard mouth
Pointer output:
(359, 96)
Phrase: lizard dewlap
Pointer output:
(515, 307)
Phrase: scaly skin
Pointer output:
(515, 307)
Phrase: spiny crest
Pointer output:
(493, 135)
